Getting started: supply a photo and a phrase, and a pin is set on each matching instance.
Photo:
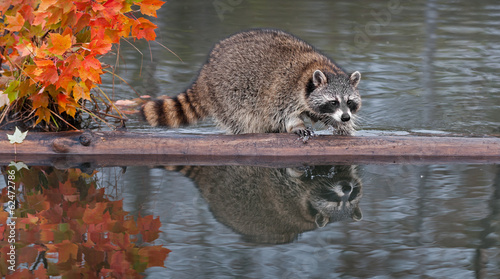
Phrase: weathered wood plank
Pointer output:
(126, 148)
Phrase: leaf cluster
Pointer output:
(50, 50)
(67, 227)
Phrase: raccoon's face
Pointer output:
(337, 201)
(334, 99)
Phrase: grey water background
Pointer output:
(427, 67)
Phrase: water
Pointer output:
(428, 67)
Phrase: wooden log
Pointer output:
(127, 148)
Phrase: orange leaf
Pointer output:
(67, 187)
(62, 100)
(112, 7)
(25, 48)
(100, 43)
(46, 72)
(42, 113)
(143, 28)
(149, 7)
(94, 215)
(66, 250)
(90, 69)
(119, 263)
(81, 92)
(37, 202)
(155, 255)
(60, 43)
(3, 217)
(44, 5)
(41, 272)
(31, 219)
(149, 227)
(44, 62)
(14, 23)
(2, 231)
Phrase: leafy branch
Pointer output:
(50, 52)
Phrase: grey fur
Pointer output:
(270, 205)
(264, 81)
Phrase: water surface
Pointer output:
(427, 67)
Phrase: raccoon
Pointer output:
(270, 205)
(264, 81)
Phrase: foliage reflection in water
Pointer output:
(66, 226)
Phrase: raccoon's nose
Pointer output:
(345, 117)
(347, 189)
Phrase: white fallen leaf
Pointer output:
(4, 99)
(19, 165)
(17, 137)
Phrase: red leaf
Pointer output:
(90, 69)
(40, 100)
(62, 101)
(149, 227)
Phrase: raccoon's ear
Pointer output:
(319, 78)
(355, 78)
(356, 214)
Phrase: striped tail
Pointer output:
(181, 110)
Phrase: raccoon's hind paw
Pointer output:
(305, 134)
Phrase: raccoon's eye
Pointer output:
(334, 103)
(328, 107)
(352, 105)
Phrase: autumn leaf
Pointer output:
(17, 137)
(80, 91)
(100, 44)
(40, 100)
(12, 91)
(2, 230)
(31, 219)
(149, 227)
(14, 23)
(55, 44)
(4, 99)
(42, 113)
(18, 165)
(90, 69)
(94, 215)
(155, 255)
(40, 272)
(3, 217)
(66, 250)
(60, 43)
(143, 28)
(149, 7)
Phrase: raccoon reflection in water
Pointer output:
(268, 205)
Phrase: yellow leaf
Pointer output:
(60, 43)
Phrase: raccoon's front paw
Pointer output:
(305, 134)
